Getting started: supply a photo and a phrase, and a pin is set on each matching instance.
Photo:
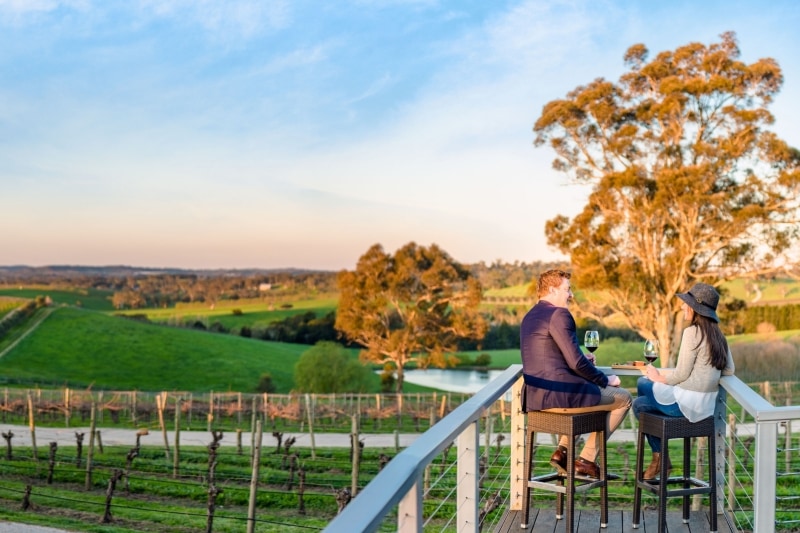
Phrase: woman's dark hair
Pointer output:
(717, 344)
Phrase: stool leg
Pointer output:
(637, 490)
(712, 479)
(570, 495)
(526, 491)
(687, 469)
(662, 485)
(604, 479)
(561, 482)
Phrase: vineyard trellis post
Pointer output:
(32, 426)
(67, 407)
(176, 457)
(133, 408)
(189, 411)
(251, 507)
(356, 447)
(239, 408)
(310, 412)
(253, 417)
(210, 418)
(90, 452)
(161, 400)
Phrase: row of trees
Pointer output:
(140, 288)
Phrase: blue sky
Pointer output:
(244, 133)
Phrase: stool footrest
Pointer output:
(582, 486)
(655, 483)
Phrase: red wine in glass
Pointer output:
(591, 340)
(651, 350)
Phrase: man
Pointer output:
(558, 374)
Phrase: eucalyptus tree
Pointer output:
(687, 182)
(410, 307)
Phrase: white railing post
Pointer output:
(766, 465)
(409, 510)
(467, 490)
(720, 430)
(517, 448)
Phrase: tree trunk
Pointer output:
(400, 379)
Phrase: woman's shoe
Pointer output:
(654, 469)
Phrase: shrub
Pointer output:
(328, 367)
(483, 359)
(265, 383)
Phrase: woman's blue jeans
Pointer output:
(645, 402)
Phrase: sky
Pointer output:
(276, 134)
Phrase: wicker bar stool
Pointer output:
(666, 428)
(573, 423)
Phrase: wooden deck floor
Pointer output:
(544, 520)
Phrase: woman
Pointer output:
(691, 389)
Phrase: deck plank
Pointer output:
(588, 521)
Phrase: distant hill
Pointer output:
(61, 271)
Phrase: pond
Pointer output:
(470, 381)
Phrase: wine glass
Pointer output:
(591, 340)
(651, 350)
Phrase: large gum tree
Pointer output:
(412, 306)
(687, 182)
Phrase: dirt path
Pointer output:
(11, 527)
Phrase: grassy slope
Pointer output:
(84, 348)
(251, 316)
(89, 299)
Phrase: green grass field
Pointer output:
(253, 314)
(89, 299)
(84, 348)
(81, 348)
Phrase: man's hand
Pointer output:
(590, 356)
(613, 380)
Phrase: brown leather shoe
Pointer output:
(653, 471)
(559, 460)
(586, 468)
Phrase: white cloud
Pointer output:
(19, 11)
(241, 18)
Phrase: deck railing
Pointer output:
(753, 496)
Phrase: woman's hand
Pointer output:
(613, 380)
(653, 374)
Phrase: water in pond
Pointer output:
(452, 380)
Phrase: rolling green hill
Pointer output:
(82, 348)
(99, 300)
